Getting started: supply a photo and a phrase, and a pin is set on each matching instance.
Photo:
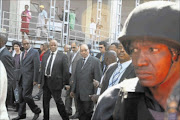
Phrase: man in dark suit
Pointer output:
(29, 76)
(6, 58)
(54, 75)
(114, 75)
(72, 67)
(102, 48)
(87, 69)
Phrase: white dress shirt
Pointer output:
(122, 70)
(54, 56)
(85, 61)
(3, 92)
(70, 68)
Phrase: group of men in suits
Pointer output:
(77, 72)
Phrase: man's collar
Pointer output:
(86, 57)
(54, 52)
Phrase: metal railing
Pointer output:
(13, 26)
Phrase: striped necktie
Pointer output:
(116, 75)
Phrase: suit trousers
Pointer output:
(25, 96)
(56, 94)
(68, 103)
(85, 109)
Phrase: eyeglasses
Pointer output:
(100, 47)
(73, 47)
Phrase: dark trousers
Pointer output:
(39, 93)
(85, 109)
(56, 94)
(68, 103)
(25, 96)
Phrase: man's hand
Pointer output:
(72, 94)
(67, 87)
(34, 83)
(94, 98)
(39, 86)
(95, 83)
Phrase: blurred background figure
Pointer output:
(25, 17)
(17, 60)
(42, 23)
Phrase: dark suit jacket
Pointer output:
(7, 60)
(83, 79)
(107, 103)
(129, 73)
(102, 62)
(74, 63)
(60, 73)
(30, 67)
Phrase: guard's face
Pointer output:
(53, 46)
(152, 62)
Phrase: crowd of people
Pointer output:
(136, 78)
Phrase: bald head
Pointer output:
(110, 57)
(84, 50)
(66, 48)
(53, 45)
(3, 39)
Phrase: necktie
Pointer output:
(116, 75)
(83, 62)
(25, 54)
(49, 65)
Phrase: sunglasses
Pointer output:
(73, 47)
(100, 47)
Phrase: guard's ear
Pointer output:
(174, 54)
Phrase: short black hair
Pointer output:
(16, 43)
(115, 43)
(104, 43)
(89, 46)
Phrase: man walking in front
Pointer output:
(29, 76)
(54, 75)
(87, 69)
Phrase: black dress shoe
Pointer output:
(35, 116)
(19, 117)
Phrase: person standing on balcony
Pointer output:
(25, 17)
(92, 28)
(42, 23)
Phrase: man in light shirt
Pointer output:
(42, 22)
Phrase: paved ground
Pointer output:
(54, 115)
